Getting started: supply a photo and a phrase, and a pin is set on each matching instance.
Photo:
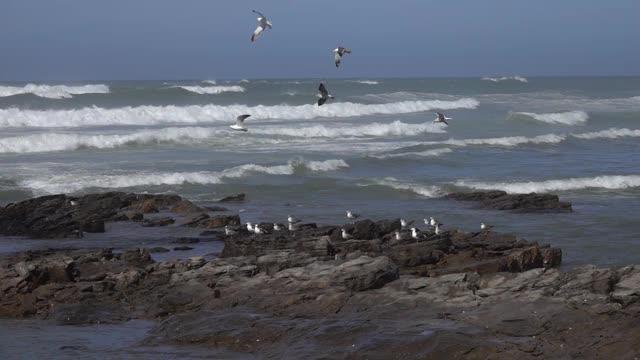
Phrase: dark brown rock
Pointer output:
(186, 207)
(161, 221)
(233, 198)
(520, 203)
(219, 221)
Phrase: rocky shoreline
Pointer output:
(309, 293)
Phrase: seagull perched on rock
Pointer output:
(485, 227)
(441, 118)
(398, 235)
(292, 220)
(258, 230)
(292, 227)
(437, 228)
(346, 235)
(339, 52)
(250, 227)
(324, 94)
(264, 23)
(415, 234)
(228, 231)
(239, 125)
(404, 223)
(278, 227)
(351, 215)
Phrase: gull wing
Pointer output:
(323, 91)
(240, 119)
(257, 33)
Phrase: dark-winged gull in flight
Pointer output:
(264, 23)
(339, 52)
(324, 94)
(441, 118)
(239, 125)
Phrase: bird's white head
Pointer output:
(269, 23)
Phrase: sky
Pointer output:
(75, 40)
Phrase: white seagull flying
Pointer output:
(264, 23)
(239, 125)
(339, 52)
(441, 118)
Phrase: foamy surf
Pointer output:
(612, 133)
(53, 91)
(152, 115)
(396, 128)
(365, 82)
(564, 118)
(506, 78)
(211, 90)
(422, 190)
(426, 153)
(75, 182)
(608, 182)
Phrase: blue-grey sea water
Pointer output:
(374, 150)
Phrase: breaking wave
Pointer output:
(211, 89)
(565, 118)
(504, 141)
(612, 133)
(609, 182)
(426, 153)
(366, 82)
(53, 91)
(506, 78)
(151, 115)
(73, 182)
(422, 190)
(396, 128)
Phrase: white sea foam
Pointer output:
(396, 128)
(506, 78)
(503, 141)
(212, 89)
(75, 182)
(211, 82)
(423, 190)
(53, 91)
(365, 82)
(65, 142)
(609, 182)
(150, 115)
(612, 133)
(243, 81)
(565, 118)
(426, 153)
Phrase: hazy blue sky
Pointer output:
(169, 39)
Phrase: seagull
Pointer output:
(324, 94)
(277, 227)
(258, 230)
(485, 227)
(250, 227)
(339, 52)
(404, 223)
(398, 235)
(437, 228)
(264, 23)
(73, 203)
(415, 234)
(292, 220)
(292, 227)
(239, 125)
(441, 118)
(228, 231)
(345, 235)
(432, 221)
(351, 215)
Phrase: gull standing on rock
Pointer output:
(485, 227)
(250, 227)
(346, 235)
(228, 231)
(404, 223)
(239, 125)
(415, 234)
(292, 227)
(441, 118)
(277, 227)
(339, 52)
(292, 220)
(264, 23)
(437, 228)
(398, 235)
(324, 94)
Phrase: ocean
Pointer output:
(374, 150)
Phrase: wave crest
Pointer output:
(53, 91)
(612, 133)
(506, 78)
(211, 89)
(426, 153)
(609, 182)
(565, 118)
(396, 128)
(423, 190)
(73, 183)
(152, 115)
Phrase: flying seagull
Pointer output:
(339, 52)
(239, 125)
(264, 23)
(441, 118)
(324, 95)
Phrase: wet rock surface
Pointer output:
(311, 294)
(518, 203)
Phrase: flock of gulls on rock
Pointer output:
(339, 52)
